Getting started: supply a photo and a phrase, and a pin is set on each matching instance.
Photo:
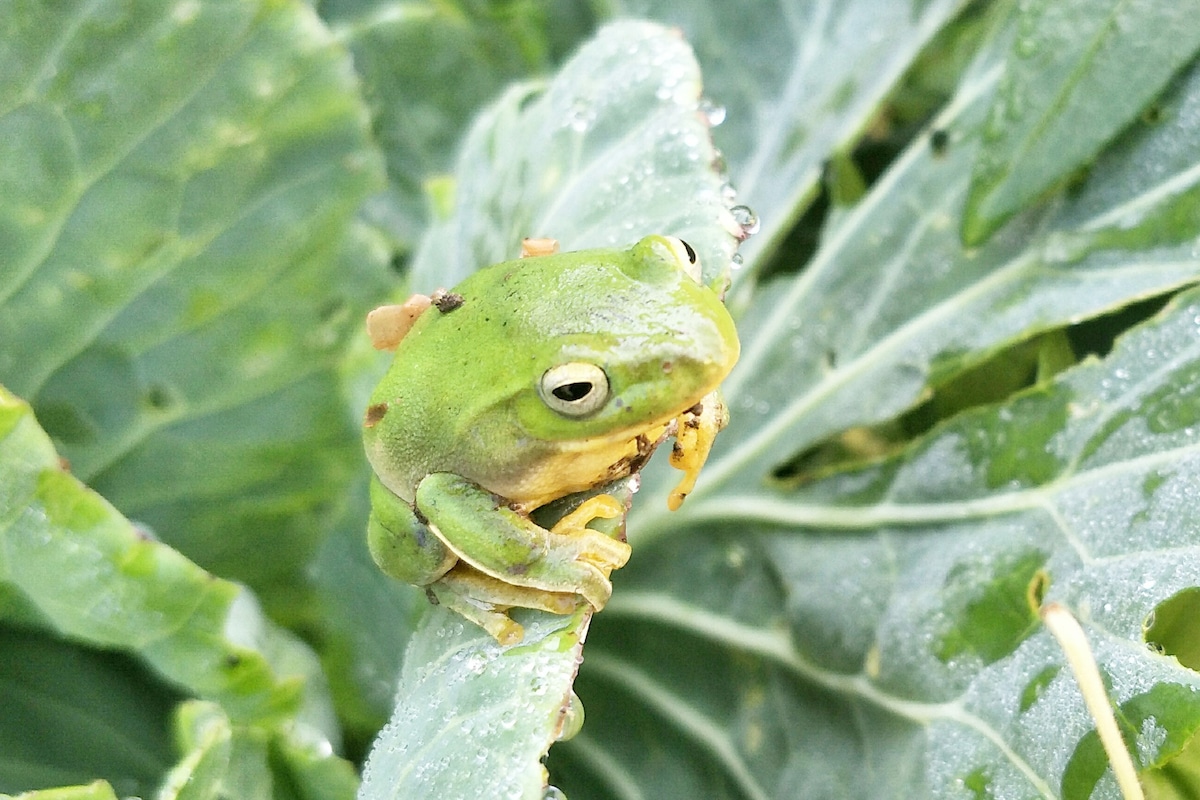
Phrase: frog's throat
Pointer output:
(580, 465)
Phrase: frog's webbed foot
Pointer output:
(485, 601)
(604, 551)
(497, 541)
(697, 428)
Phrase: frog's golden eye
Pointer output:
(575, 389)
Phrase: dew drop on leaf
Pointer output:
(746, 219)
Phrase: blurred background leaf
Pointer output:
(175, 293)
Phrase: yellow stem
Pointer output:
(1074, 644)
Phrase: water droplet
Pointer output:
(737, 260)
(554, 793)
(746, 219)
(729, 194)
(580, 117)
(572, 721)
(713, 114)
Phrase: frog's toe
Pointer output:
(604, 552)
(595, 588)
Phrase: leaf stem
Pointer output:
(1073, 641)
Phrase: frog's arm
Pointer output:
(484, 532)
(401, 544)
(697, 428)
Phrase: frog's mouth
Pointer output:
(587, 463)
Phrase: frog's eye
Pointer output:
(686, 255)
(575, 389)
(691, 254)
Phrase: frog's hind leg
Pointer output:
(484, 532)
(485, 601)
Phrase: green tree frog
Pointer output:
(535, 379)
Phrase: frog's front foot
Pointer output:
(595, 547)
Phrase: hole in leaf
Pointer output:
(1169, 712)
(1096, 336)
(955, 389)
(398, 262)
(1173, 628)
(1033, 690)
(997, 378)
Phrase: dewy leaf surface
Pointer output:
(71, 567)
(831, 637)
(598, 157)
(472, 719)
(176, 184)
(797, 80)
(1044, 121)
(868, 634)
(893, 303)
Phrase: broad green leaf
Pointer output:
(205, 735)
(426, 68)
(893, 304)
(604, 121)
(795, 81)
(608, 151)
(1045, 121)
(473, 719)
(865, 631)
(72, 568)
(178, 180)
(831, 642)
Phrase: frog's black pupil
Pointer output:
(572, 392)
(691, 253)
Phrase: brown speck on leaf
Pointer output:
(692, 423)
(677, 450)
(375, 413)
(431, 597)
(445, 301)
(697, 409)
(64, 464)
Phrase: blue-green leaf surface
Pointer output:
(612, 149)
(177, 182)
(1045, 121)
(865, 630)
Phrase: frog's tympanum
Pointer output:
(532, 380)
